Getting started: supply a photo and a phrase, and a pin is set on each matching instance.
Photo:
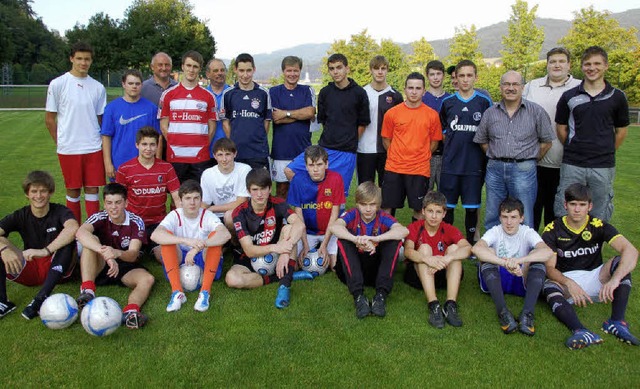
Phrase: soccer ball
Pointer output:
(101, 316)
(313, 263)
(59, 311)
(265, 265)
(190, 277)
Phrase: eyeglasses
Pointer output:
(510, 84)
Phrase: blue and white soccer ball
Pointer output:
(101, 316)
(59, 311)
(190, 277)
(313, 263)
(265, 265)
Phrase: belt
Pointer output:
(514, 160)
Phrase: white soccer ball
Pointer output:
(59, 311)
(190, 277)
(313, 263)
(101, 316)
(265, 265)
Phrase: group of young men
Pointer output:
(218, 174)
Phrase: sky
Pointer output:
(262, 26)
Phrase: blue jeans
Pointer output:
(504, 179)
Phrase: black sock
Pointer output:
(470, 222)
(561, 308)
(535, 279)
(621, 298)
(414, 219)
(448, 217)
(491, 277)
(53, 277)
(3, 282)
(286, 280)
(392, 212)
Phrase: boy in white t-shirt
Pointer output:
(512, 257)
(224, 185)
(190, 235)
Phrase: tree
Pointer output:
(465, 45)
(523, 43)
(105, 36)
(150, 26)
(591, 27)
(359, 51)
(422, 53)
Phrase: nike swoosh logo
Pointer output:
(124, 122)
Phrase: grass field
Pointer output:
(243, 341)
(36, 96)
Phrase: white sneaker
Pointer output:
(202, 304)
(177, 299)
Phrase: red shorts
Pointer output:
(35, 272)
(82, 170)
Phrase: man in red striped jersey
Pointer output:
(148, 181)
(187, 114)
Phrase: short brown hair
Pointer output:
(315, 153)
(147, 132)
(41, 178)
(435, 198)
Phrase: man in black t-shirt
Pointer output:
(48, 232)
(577, 274)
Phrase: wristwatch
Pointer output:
(288, 114)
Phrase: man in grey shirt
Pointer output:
(515, 133)
(546, 91)
(160, 81)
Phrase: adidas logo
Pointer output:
(465, 109)
(245, 97)
(57, 268)
(115, 233)
(189, 96)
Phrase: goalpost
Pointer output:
(23, 97)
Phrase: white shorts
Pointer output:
(316, 240)
(589, 280)
(277, 170)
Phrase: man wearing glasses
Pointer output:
(515, 134)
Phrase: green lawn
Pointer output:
(243, 341)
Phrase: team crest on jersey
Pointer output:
(160, 179)
(389, 99)
(477, 116)
(271, 221)
(201, 106)
(125, 242)
(255, 103)
(327, 191)
(586, 236)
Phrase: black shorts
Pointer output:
(468, 188)
(242, 260)
(148, 247)
(123, 268)
(193, 171)
(411, 277)
(396, 187)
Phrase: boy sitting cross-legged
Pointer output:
(369, 240)
(435, 251)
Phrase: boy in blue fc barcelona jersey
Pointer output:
(317, 195)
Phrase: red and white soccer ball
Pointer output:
(313, 263)
(59, 311)
(101, 316)
(265, 265)
(190, 277)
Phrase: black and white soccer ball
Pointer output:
(313, 263)
(265, 265)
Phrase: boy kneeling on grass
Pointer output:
(261, 230)
(368, 244)
(512, 257)
(435, 251)
(191, 235)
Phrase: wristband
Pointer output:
(48, 251)
(4, 248)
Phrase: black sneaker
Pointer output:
(436, 317)
(378, 306)
(6, 308)
(362, 306)
(451, 313)
(84, 299)
(526, 323)
(134, 319)
(507, 321)
(32, 310)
